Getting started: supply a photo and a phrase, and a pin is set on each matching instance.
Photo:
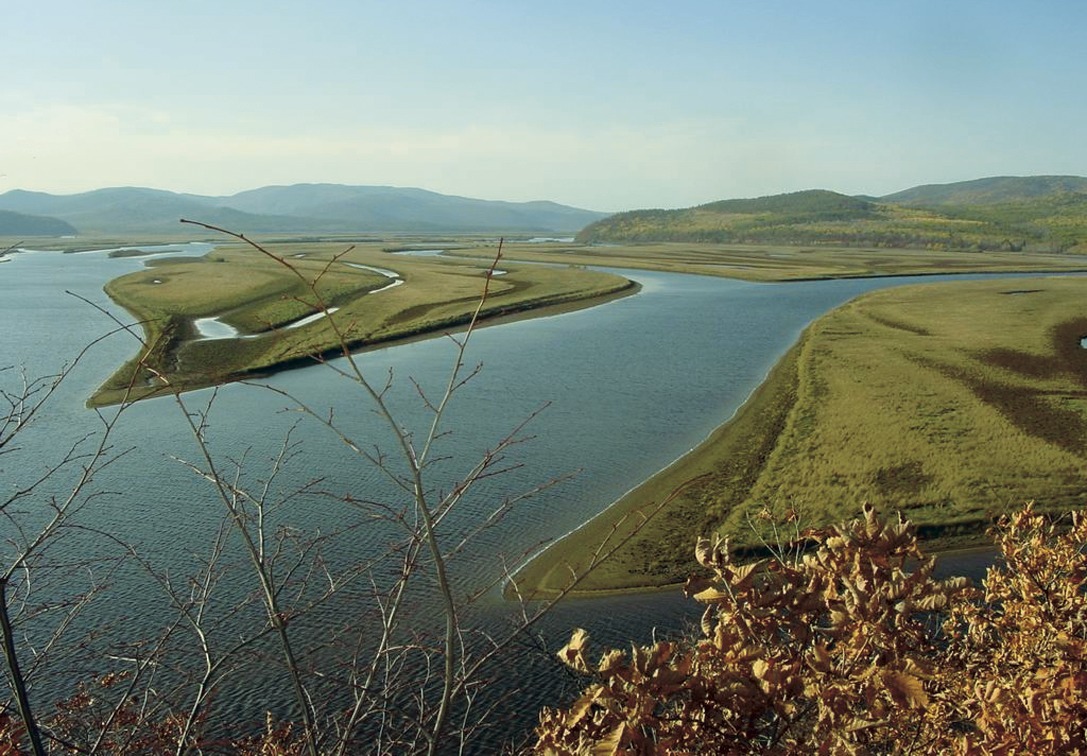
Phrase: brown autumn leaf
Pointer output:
(610, 661)
(711, 595)
(696, 584)
(741, 574)
(572, 654)
(822, 659)
(582, 706)
(609, 745)
(905, 689)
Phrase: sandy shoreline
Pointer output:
(725, 465)
(751, 428)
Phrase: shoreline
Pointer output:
(727, 463)
(707, 490)
(513, 314)
(547, 571)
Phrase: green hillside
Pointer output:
(1034, 213)
(811, 205)
(989, 191)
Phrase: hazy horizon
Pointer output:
(601, 105)
(389, 186)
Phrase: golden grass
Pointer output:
(258, 295)
(950, 402)
(783, 263)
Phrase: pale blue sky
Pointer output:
(604, 105)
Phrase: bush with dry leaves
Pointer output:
(853, 646)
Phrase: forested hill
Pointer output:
(812, 205)
(989, 191)
(1038, 212)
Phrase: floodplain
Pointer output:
(780, 262)
(951, 403)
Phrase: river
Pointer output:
(625, 388)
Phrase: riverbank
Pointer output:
(951, 403)
(660, 518)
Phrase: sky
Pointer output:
(603, 105)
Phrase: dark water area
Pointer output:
(622, 390)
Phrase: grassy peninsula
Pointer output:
(951, 402)
(374, 298)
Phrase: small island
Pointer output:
(238, 313)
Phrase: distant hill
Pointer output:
(812, 214)
(21, 224)
(387, 208)
(298, 209)
(136, 210)
(989, 191)
(1014, 213)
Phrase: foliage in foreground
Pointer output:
(854, 647)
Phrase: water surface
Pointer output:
(622, 390)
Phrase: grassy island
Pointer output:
(270, 314)
(951, 402)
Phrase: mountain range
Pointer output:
(1044, 213)
(297, 209)
(1004, 212)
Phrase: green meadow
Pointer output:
(951, 403)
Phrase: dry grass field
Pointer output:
(950, 402)
(781, 262)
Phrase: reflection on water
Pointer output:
(213, 328)
(419, 252)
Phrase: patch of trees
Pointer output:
(810, 205)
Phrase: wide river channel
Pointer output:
(625, 388)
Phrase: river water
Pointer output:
(624, 388)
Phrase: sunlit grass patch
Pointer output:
(969, 408)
